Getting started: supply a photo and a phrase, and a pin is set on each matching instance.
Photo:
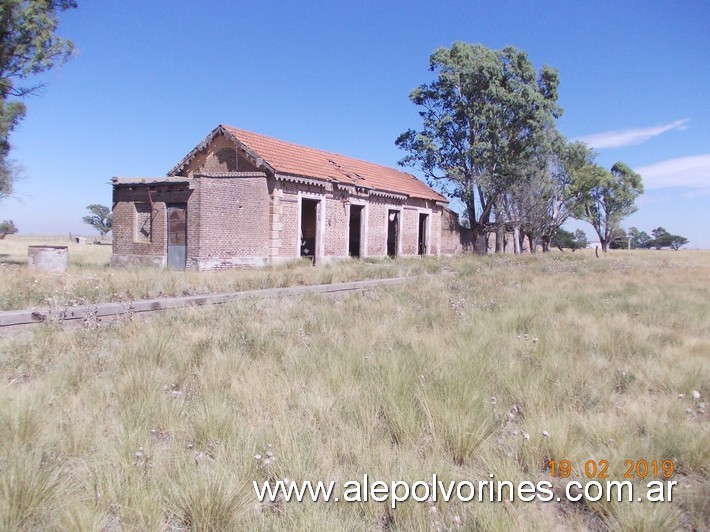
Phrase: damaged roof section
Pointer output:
(286, 160)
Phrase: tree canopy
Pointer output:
(566, 239)
(28, 46)
(486, 118)
(607, 198)
(663, 239)
(639, 239)
(660, 238)
(100, 218)
(678, 241)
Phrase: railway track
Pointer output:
(16, 320)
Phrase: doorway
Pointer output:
(355, 240)
(177, 236)
(423, 240)
(392, 233)
(309, 227)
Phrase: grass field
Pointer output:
(153, 424)
(89, 279)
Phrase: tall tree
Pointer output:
(482, 116)
(548, 195)
(28, 45)
(522, 205)
(607, 198)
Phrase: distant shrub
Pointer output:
(7, 227)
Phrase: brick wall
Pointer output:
(289, 223)
(218, 157)
(435, 232)
(377, 227)
(410, 231)
(454, 238)
(233, 221)
(337, 225)
(232, 216)
(409, 212)
(128, 248)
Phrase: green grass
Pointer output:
(153, 423)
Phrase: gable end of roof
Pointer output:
(253, 157)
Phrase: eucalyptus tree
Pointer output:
(483, 117)
(607, 197)
(522, 206)
(549, 195)
(545, 196)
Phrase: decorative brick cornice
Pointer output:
(385, 194)
(229, 174)
(132, 181)
(302, 180)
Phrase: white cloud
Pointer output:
(689, 172)
(630, 137)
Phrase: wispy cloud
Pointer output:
(688, 172)
(630, 137)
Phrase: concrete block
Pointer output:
(48, 258)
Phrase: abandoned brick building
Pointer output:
(242, 199)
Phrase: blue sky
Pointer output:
(151, 79)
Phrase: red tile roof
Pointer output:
(293, 159)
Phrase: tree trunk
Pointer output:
(479, 241)
(605, 245)
(500, 238)
(546, 245)
(531, 242)
(517, 246)
(483, 242)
